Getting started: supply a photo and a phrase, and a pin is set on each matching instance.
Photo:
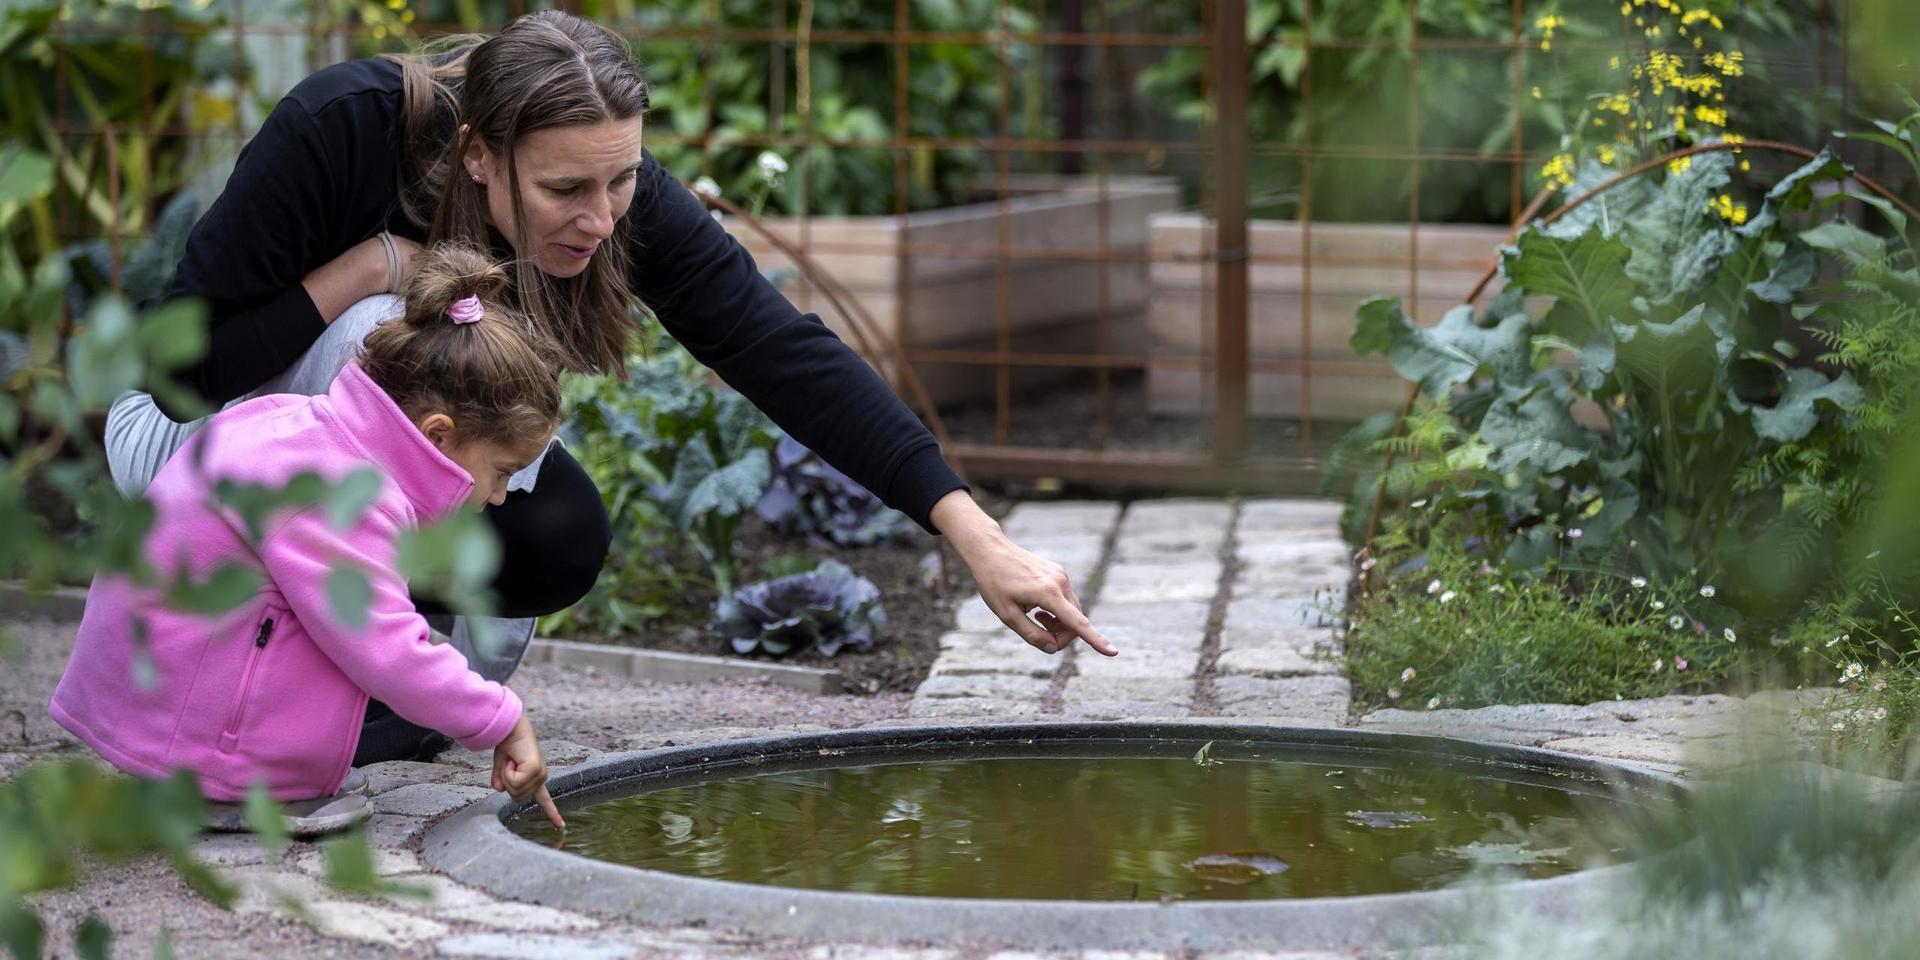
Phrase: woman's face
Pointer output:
(576, 181)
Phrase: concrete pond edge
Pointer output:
(475, 847)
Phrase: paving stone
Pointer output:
(861, 951)
(977, 642)
(394, 830)
(1644, 749)
(519, 917)
(1174, 617)
(975, 708)
(716, 734)
(1060, 518)
(1275, 661)
(566, 753)
(371, 924)
(1537, 723)
(1089, 687)
(1010, 656)
(972, 616)
(1172, 546)
(394, 774)
(1292, 580)
(1270, 549)
(264, 889)
(523, 946)
(1301, 640)
(386, 863)
(995, 686)
(1143, 662)
(1291, 514)
(1150, 582)
(434, 893)
(467, 759)
(1174, 515)
(229, 850)
(1125, 709)
(1302, 610)
(428, 799)
(1326, 698)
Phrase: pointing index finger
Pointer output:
(552, 811)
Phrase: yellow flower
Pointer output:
(1746, 165)
(1679, 165)
(1712, 116)
(1605, 154)
(1536, 93)
(1558, 169)
(1727, 209)
(1613, 63)
(396, 4)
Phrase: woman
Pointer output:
(530, 141)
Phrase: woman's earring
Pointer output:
(476, 179)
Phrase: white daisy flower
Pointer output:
(1729, 634)
(1639, 583)
(1853, 672)
(1659, 604)
(1408, 674)
(1393, 693)
(1838, 725)
(1447, 597)
(706, 187)
(1675, 622)
(1708, 591)
(1576, 533)
(1879, 714)
(1433, 588)
(772, 165)
(1435, 703)
(1659, 665)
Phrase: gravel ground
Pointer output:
(138, 899)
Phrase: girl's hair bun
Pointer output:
(449, 272)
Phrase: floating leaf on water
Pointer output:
(1384, 819)
(1505, 854)
(1204, 756)
(677, 826)
(1244, 867)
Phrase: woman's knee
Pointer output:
(555, 540)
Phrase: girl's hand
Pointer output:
(1013, 580)
(519, 770)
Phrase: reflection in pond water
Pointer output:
(1100, 828)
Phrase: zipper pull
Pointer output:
(266, 628)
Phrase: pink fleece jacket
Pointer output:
(275, 691)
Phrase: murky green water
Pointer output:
(1082, 828)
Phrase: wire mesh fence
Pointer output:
(1115, 242)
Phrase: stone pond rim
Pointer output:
(475, 847)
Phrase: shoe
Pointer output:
(303, 819)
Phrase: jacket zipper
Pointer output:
(231, 735)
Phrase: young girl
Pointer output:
(445, 403)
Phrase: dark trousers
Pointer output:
(553, 541)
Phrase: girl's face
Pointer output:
(576, 181)
(490, 464)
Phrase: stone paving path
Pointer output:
(1220, 609)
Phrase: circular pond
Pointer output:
(1181, 834)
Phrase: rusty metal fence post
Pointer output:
(1230, 146)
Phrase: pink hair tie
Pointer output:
(465, 310)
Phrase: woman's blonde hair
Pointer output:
(495, 376)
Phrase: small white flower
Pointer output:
(1496, 588)
(772, 165)
(1417, 504)
(706, 187)
(1659, 604)
(1708, 591)
(1639, 583)
(1393, 693)
(1435, 702)
(1679, 663)
(1675, 622)
(1433, 588)
(1878, 714)
(1659, 665)
(1575, 534)
(1853, 672)
(1367, 564)
(1729, 634)
(1839, 725)
(1408, 674)
(1879, 685)
(1445, 597)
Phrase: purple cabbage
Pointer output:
(809, 498)
(828, 607)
